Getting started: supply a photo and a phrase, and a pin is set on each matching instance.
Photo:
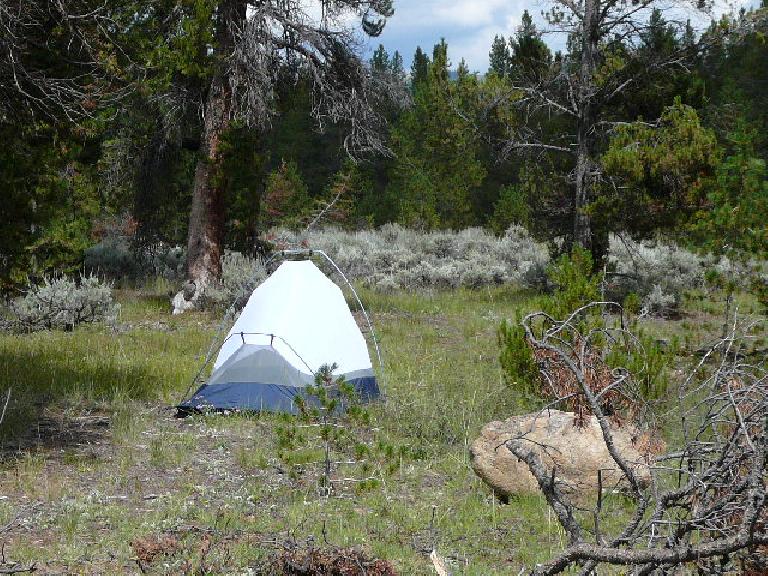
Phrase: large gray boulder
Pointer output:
(576, 453)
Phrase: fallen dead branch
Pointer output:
(706, 502)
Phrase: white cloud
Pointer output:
(471, 12)
(466, 14)
(467, 25)
(470, 25)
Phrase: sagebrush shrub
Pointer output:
(240, 274)
(117, 259)
(162, 260)
(112, 258)
(119, 256)
(394, 257)
(661, 303)
(61, 303)
(659, 273)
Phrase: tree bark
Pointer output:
(582, 225)
(206, 220)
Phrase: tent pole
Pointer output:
(231, 312)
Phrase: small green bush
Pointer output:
(574, 281)
(521, 373)
(648, 360)
(632, 303)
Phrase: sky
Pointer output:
(470, 25)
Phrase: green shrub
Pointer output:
(574, 281)
(648, 360)
(333, 415)
(575, 285)
(632, 303)
(521, 373)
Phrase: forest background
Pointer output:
(110, 152)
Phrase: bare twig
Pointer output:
(707, 495)
(5, 406)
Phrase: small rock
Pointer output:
(180, 304)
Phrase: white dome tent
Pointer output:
(295, 322)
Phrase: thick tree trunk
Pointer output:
(582, 225)
(207, 215)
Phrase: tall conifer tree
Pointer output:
(499, 57)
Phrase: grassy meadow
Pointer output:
(98, 476)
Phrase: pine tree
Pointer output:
(462, 72)
(419, 68)
(581, 94)
(437, 171)
(396, 66)
(530, 57)
(499, 57)
(440, 63)
(380, 63)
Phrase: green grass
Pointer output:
(150, 474)
(98, 365)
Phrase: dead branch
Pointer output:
(74, 34)
(706, 503)
(279, 35)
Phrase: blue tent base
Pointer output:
(262, 397)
